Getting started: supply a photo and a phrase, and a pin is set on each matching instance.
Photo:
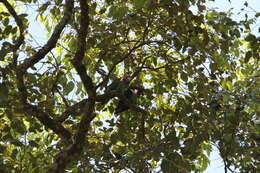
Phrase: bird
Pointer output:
(122, 87)
(131, 95)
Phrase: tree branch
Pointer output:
(40, 54)
(168, 65)
(43, 117)
(48, 122)
(77, 108)
(119, 61)
(68, 155)
(88, 110)
(77, 61)
(19, 23)
(31, 110)
(138, 70)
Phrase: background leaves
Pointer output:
(199, 72)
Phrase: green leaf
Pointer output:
(98, 123)
(184, 76)
(174, 83)
(248, 56)
(44, 6)
(139, 3)
(16, 142)
(250, 37)
(171, 163)
(5, 21)
(8, 30)
(213, 67)
(14, 154)
(73, 44)
(18, 126)
(177, 43)
(69, 87)
(33, 143)
(23, 15)
(2, 148)
(3, 94)
(93, 140)
(118, 12)
(229, 84)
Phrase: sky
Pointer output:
(216, 165)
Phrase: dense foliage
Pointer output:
(127, 85)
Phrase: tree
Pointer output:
(197, 72)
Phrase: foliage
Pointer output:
(198, 71)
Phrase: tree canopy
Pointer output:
(128, 86)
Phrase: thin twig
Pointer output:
(168, 65)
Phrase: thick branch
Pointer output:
(77, 61)
(68, 155)
(77, 108)
(52, 40)
(43, 117)
(31, 110)
(48, 121)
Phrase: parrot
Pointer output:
(117, 85)
(131, 95)
(122, 87)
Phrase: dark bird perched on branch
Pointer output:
(122, 87)
(131, 94)
(117, 85)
